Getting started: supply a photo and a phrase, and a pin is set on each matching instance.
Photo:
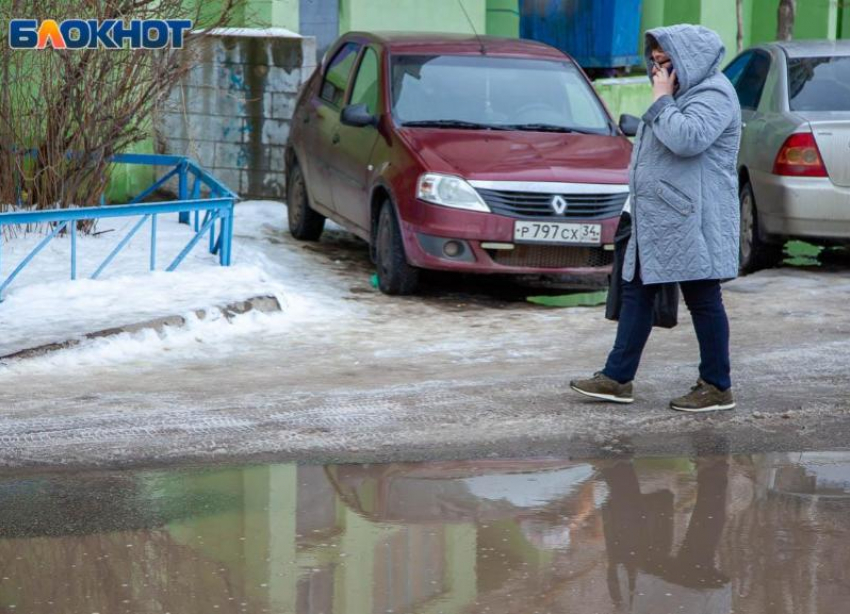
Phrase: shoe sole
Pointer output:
(603, 397)
(694, 410)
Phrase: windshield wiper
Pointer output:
(451, 123)
(549, 128)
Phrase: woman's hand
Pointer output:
(663, 83)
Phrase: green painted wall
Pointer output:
(763, 21)
(272, 13)
(679, 11)
(415, 15)
(652, 16)
(719, 15)
(503, 18)
(815, 18)
(844, 21)
(128, 180)
(262, 13)
(632, 95)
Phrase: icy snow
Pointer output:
(43, 305)
(252, 32)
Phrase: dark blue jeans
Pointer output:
(705, 303)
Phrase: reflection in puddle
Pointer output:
(759, 534)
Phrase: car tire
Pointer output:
(304, 223)
(395, 275)
(754, 254)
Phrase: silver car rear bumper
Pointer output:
(809, 207)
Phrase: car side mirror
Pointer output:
(629, 124)
(358, 115)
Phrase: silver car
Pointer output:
(794, 164)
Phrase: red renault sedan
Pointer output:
(458, 153)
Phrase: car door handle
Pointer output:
(335, 139)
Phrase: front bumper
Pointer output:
(478, 231)
(805, 207)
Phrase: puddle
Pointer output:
(744, 534)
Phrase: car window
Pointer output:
(583, 109)
(338, 73)
(819, 84)
(736, 68)
(750, 85)
(493, 90)
(366, 83)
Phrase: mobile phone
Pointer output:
(668, 68)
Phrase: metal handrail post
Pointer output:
(72, 229)
(227, 234)
(183, 189)
(153, 242)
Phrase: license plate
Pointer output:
(557, 232)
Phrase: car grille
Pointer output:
(538, 204)
(553, 256)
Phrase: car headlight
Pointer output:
(449, 191)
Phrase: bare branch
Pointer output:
(91, 103)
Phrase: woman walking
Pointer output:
(684, 198)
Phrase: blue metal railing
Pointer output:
(216, 207)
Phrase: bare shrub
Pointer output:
(63, 113)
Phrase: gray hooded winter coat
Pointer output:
(683, 176)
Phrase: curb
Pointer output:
(263, 304)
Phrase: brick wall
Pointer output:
(232, 112)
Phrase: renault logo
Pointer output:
(559, 204)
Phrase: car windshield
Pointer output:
(475, 92)
(819, 84)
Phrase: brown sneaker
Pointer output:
(602, 387)
(704, 397)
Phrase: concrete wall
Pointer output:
(319, 19)
(232, 112)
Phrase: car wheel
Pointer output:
(754, 253)
(304, 223)
(395, 275)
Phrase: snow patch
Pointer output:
(42, 305)
(209, 337)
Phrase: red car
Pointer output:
(458, 153)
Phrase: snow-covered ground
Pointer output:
(42, 305)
